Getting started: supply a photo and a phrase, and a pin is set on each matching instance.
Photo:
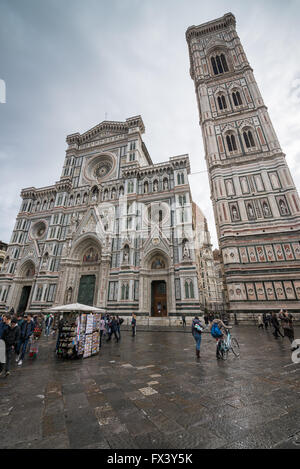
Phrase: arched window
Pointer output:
(78, 199)
(222, 102)
(71, 201)
(187, 290)
(51, 204)
(231, 143)
(45, 205)
(125, 291)
(180, 178)
(237, 98)
(249, 140)
(219, 64)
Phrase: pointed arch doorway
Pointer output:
(159, 298)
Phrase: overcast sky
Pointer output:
(66, 63)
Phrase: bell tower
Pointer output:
(255, 202)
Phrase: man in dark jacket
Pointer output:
(113, 330)
(27, 329)
(276, 325)
(10, 337)
(3, 324)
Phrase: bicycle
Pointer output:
(229, 344)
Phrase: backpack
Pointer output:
(216, 331)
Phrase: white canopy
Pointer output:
(77, 307)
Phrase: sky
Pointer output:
(68, 65)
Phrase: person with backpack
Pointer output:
(197, 329)
(218, 332)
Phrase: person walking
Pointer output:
(48, 324)
(133, 324)
(206, 320)
(288, 328)
(102, 329)
(183, 320)
(11, 337)
(260, 322)
(276, 325)
(265, 321)
(119, 322)
(197, 329)
(26, 332)
(113, 330)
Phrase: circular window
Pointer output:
(100, 167)
(38, 230)
(102, 170)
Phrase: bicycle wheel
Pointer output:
(235, 348)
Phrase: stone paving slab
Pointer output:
(151, 392)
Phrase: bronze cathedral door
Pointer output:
(86, 290)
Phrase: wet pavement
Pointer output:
(150, 392)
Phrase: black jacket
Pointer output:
(11, 335)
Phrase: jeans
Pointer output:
(197, 337)
(47, 330)
(133, 330)
(23, 348)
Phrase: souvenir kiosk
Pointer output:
(79, 334)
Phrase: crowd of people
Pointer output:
(283, 322)
(16, 331)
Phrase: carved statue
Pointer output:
(186, 252)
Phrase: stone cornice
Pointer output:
(211, 26)
(106, 127)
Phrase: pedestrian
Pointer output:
(276, 325)
(113, 329)
(260, 322)
(206, 319)
(48, 324)
(10, 337)
(133, 324)
(265, 320)
(197, 329)
(288, 328)
(102, 329)
(119, 323)
(26, 332)
(3, 324)
(269, 318)
(183, 320)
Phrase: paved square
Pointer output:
(112, 400)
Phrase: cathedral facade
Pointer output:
(116, 231)
(255, 201)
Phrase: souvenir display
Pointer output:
(68, 337)
(79, 337)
